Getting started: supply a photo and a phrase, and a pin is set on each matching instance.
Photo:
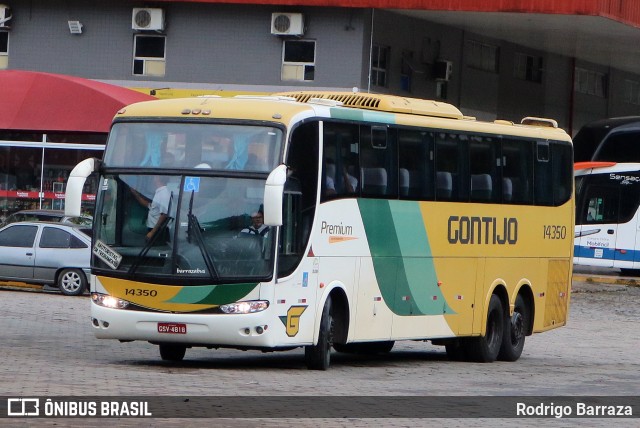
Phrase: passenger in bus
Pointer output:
(158, 208)
(257, 227)
(348, 181)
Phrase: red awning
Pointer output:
(33, 101)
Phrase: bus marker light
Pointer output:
(377, 299)
(406, 298)
(435, 297)
(196, 111)
(459, 297)
(302, 300)
(282, 302)
(439, 283)
(322, 285)
(206, 112)
(185, 111)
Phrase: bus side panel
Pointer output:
(556, 299)
(372, 315)
(457, 278)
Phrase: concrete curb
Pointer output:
(605, 279)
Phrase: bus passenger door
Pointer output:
(627, 241)
(597, 217)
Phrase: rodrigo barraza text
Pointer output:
(576, 409)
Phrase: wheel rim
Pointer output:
(71, 282)
(517, 327)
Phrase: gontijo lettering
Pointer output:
(482, 230)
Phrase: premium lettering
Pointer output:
(482, 230)
(336, 229)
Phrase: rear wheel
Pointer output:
(72, 282)
(172, 352)
(515, 331)
(318, 357)
(485, 349)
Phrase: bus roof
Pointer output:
(389, 109)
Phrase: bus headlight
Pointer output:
(108, 301)
(248, 307)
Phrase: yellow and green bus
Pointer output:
(387, 218)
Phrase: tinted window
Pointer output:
(54, 238)
(18, 236)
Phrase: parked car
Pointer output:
(46, 253)
(47, 215)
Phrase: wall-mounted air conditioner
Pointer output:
(287, 24)
(5, 16)
(442, 70)
(147, 19)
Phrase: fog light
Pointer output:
(259, 330)
(95, 322)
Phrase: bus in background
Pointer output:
(608, 140)
(389, 219)
(607, 201)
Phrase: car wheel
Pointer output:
(72, 282)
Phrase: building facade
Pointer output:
(411, 48)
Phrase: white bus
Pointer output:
(607, 216)
(389, 219)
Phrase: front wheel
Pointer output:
(72, 282)
(516, 327)
(172, 352)
(485, 349)
(318, 357)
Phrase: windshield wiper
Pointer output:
(142, 254)
(194, 230)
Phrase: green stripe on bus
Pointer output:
(363, 115)
(402, 258)
(213, 294)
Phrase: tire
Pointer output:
(72, 282)
(366, 348)
(485, 349)
(515, 331)
(318, 357)
(172, 352)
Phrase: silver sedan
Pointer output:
(46, 253)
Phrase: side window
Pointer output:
(562, 161)
(378, 164)
(341, 163)
(149, 55)
(416, 169)
(600, 203)
(54, 238)
(300, 194)
(543, 185)
(452, 168)
(484, 183)
(76, 243)
(517, 171)
(18, 236)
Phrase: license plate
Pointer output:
(172, 328)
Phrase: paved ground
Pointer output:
(48, 349)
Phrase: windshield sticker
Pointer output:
(107, 254)
(192, 184)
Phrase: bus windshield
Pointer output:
(198, 220)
